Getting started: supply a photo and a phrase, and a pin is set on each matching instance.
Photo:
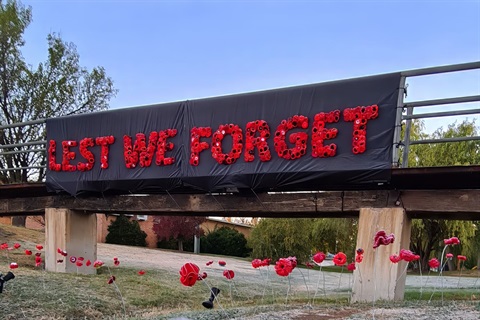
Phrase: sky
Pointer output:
(162, 51)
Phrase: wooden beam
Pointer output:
(449, 204)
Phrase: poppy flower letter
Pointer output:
(340, 259)
(189, 274)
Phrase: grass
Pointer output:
(37, 294)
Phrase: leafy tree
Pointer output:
(124, 231)
(427, 234)
(180, 228)
(276, 238)
(57, 87)
(225, 241)
(334, 235)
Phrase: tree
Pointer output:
(124, 231)
(334, 235)
(57, 87)
(179, 228)
(225, 241)
(276, 238)
(427, 234)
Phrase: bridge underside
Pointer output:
(441, 204)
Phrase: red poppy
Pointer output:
(462, 258)
(38, 254)
(38, 261)
(79, 263)
(395, 259)
(266, 262)
(309, 265)
(141, 272)
(13, 265)
(73, 259)
(189, 274)
(222, 263)
(449, 255)
(202, 276)
(59, 260)
(452, 241)
(39, 247)
(293, 260)
(16, 245)
(209, 262)
(351, 266)
(62, 252)
(116, 262)
(28, 252)
(111, 280)
(256, 263)
(360, 251)
(229, 274)
(359, 258)
(88, 263)
(433, 263)
(4, 246)
(340, 259)
(319, 257)
(97, 264)
(408, 255)
(283, 267)
(81, 258)
(381, 238)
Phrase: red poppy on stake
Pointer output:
(462, 258)
(209, 262)
(141, 272)
(452, 241)
(359, 258)
(351, 266)
(229, 274)
(408, 255)
(13, 265)
(88, 263)
(39, 247)
(4, 246)
(256, 263)
(222, 263)
(395, 258)
(449, 255)
(433, 263)
(111, 280)
(38, 261)
(189, 274)
(319, 257)
(28, 252)
(116, 262)
(16, 245)
(283, 267)
(79, 263)
(97, 264)
(340, 259)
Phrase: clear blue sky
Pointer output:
(159, 51)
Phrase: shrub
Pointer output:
(225, 241)
(172, 244)
(124, 231)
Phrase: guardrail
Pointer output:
(405, 111)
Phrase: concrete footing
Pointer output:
(72, 231)
(376, 277)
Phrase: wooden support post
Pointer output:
(72, 231)
(376, 277)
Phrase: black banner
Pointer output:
(335, 135)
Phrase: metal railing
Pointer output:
(21, 146)
(405, 111)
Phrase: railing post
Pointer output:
(398, 122)
(406, 138)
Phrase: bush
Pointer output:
(124, 231)
(225, 241)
